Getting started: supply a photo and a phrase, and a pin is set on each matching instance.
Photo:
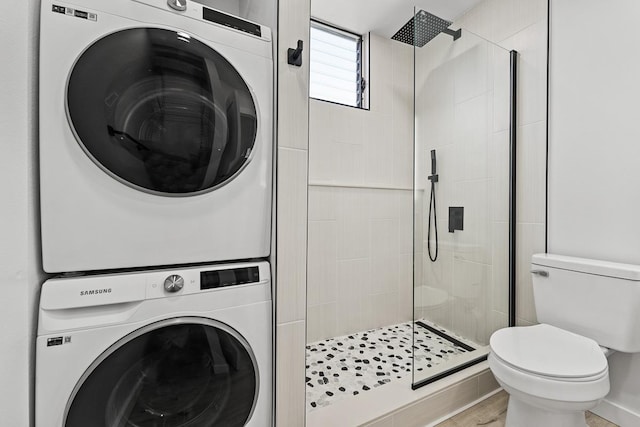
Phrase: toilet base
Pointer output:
(521, 414)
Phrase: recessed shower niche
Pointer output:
(431, 129)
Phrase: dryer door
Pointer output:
(161, 111)
(175, 373)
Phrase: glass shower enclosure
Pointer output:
(463, 195)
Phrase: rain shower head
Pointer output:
(423, 27)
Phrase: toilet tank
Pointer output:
(595, 299)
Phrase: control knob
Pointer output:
(173, 283)
(179, 5)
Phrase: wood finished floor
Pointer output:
(492, 412)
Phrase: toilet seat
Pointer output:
(550, 352)
(549, 363)
(518, 382)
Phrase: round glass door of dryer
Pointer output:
(161, 111)
(176, 373)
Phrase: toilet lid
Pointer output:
(549, 351)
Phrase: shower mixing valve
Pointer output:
(456, 218)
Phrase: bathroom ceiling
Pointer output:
(383, 17)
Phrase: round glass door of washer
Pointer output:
(188, 372)
(161, 111)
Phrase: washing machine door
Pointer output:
(187, 372)
(161, 111)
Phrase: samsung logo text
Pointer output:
(95, 292)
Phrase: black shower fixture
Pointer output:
(432, 209)
(422, 28)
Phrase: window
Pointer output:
(336, 66)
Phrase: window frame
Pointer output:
(362, 62)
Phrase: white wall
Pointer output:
(360, 202)
(594, 152)
(20, 272)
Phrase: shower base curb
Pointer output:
(397, 404)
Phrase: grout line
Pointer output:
(301, 150)
(356, 186)
(291, 322)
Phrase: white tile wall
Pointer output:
(531, 43)
(532, 161)
(365, 148)
(461, 90)
(530, 241)
(290, 371)
(291, 228)
(359, 274)
(360, 203)
(292, 233)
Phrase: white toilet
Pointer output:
(557, 370)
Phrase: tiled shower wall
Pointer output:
(360, 202)
(522, 25)
(462, 110)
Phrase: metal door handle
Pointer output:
(541, 273)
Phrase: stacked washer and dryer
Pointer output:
(156, 189)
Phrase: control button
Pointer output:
(54, 341)
(93, 17)
(179, 5)
(173, 283)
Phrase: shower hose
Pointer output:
(432, 204)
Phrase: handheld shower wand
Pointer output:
(432, 203)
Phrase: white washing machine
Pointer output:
(188, 347)
(155, 135)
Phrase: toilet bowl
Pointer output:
(552, 376)
(557, 370)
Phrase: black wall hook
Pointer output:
(295, 55)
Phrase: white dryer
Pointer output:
(190, 347)
(155, 135)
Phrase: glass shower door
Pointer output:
(461, 197)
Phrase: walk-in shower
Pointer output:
(409, 217)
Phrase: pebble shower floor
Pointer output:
(353, 364)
